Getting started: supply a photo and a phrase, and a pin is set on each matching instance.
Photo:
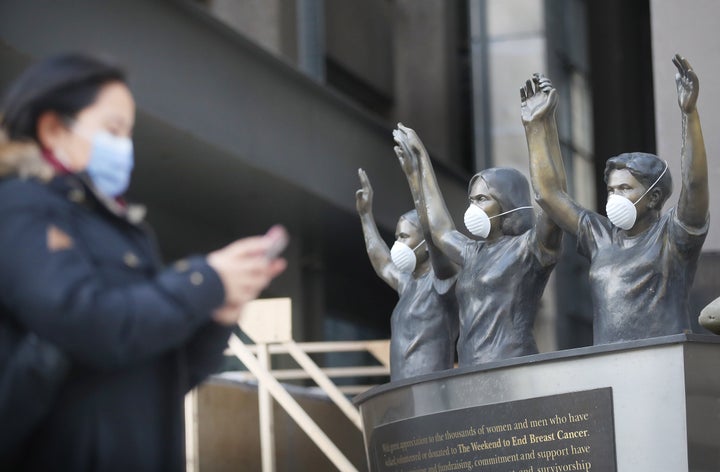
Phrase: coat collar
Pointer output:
(79, 189)
(24, 160)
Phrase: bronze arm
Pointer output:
(693, 203)
(443, 267)
(547, 171)
(377, 250)
(442, 228)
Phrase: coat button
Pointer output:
(131, 260)
(196, 278)
(76, 195)
(182, 265)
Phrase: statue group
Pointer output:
(480, 295)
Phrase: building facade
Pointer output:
(261, 111)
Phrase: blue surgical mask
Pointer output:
(111, 162)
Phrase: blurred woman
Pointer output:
(81, 272)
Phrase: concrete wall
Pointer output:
(269, 23)
(425, 73)
(516, 48)
(359, 38)
(691, 29)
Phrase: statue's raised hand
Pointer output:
(364, 195)
(407, 161)
(410, 146)
(688, 86)
(538, 99)
(406, 156)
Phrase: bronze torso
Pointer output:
(424, 327)
(498, 291)
(639, 284)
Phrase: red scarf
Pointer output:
(58, 166)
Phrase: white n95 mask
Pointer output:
(478, 222)
(404, 257)
(621, 211)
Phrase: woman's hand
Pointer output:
(245, 270)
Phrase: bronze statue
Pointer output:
(642, 262)
(424, 323)
(504, 272)
(710, 316)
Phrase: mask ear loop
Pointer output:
(418, 245)
(653, 184)
(510, 211)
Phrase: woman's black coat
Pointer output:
(83, 275)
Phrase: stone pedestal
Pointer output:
(646, 405)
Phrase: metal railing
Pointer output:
(268, 323)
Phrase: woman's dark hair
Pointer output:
(64, 84)
(511, 190)
(646, 168)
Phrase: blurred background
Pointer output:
(253, 112)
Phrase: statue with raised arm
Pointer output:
(424, 323)
(642, 262)
(504, 271)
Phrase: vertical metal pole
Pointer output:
(311, 38)
(267, 420)
(480, 84)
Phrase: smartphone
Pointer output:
(279, 240)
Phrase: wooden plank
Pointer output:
(266, 416)
(192, 457)
(325, 384)
(291, 407)
(328, 346)
(268, 320)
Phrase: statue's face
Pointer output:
(408, 233)
(622, 182)
(480, 196)
(412, 236)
